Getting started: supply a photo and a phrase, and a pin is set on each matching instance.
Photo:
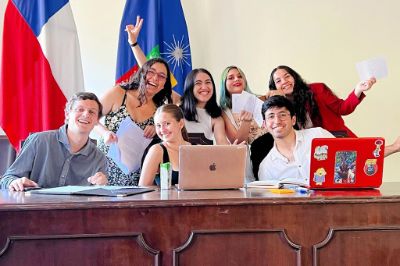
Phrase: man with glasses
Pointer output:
(289, 159)
(61, 157)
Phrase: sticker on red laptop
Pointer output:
(319, 176)
(321, 153)
(370, 167)
(377, 151)
(345, 167)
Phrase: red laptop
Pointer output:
(338, 163)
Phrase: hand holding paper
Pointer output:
(376, 68)
(364, 86)
(128, 151)
(110, 137)
(248, 102)
(246, 116)
(242, 101)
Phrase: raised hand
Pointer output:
(134, 30)
(364, 86)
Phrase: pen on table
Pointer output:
(297, 188)
(302, 190)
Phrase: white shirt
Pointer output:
(203, 126)
(276, 167)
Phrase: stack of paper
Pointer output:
(250, 103)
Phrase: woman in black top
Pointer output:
(170, 127)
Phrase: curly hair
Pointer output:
(138, 82)
(302, 97)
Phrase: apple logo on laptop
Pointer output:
(213, 167)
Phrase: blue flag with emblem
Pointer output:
(164, 34)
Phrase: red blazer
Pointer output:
(332, 108)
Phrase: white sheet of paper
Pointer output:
(128, 151)
(257, 112)
(250, 103)
(239, 102)
(244, 101)
(375, 67)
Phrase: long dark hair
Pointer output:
(138, 82)
(189, 101)
(302, 97)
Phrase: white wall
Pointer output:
(322, 40)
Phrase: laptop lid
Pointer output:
(338, 163)
(212, 166)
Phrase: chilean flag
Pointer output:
(164, 34)
(41, 66)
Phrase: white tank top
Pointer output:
(203, 126)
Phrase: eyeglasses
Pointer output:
(151, 73)
(280, 116)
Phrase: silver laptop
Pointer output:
(212, 166)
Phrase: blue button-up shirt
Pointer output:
(47, 160)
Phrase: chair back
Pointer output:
(7, 154)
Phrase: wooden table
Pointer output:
(242, 227)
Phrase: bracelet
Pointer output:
(133, 44)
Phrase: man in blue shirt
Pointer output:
(61, 157)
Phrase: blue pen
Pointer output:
(302, 190)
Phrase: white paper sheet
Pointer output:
(128, 151)
(257, 112)
(248, 102)
(241, 102)
(375, 67)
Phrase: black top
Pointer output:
(259, 149)
(175, 174)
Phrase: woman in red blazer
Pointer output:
(315, 104)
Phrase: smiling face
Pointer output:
(279, 122)
(83, 116)
(235, 82)
(156, 77)
(203, 89)
(167, 128)
(284, 81)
